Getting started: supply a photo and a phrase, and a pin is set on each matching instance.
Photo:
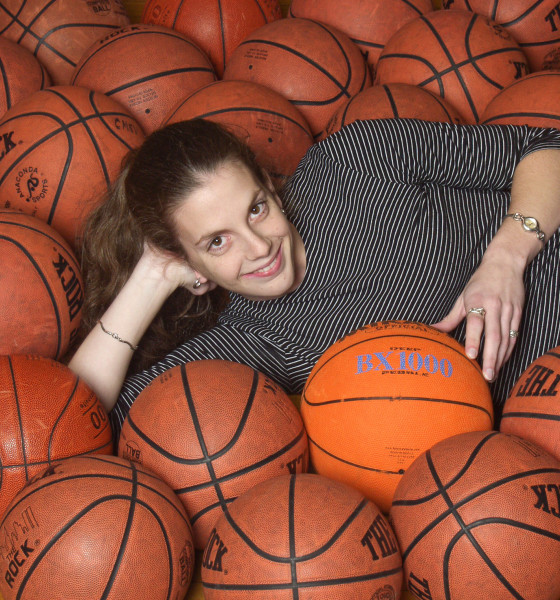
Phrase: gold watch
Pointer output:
(529, 224)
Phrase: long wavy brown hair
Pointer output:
(155, 180)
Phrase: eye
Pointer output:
(217, 242)
(259, 209)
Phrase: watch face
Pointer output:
(530, 224)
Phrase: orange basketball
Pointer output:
(48, 414)
(369, 24)
(392, 101)
(533, 23)
(212, 429)
(217, 26)
(302, 536)
(147, 68)
(532, 100)
(314, 65)
(58, 32)
(461, 56)
(270, 124)
(476, 516)
(63, 147)
(22, 74)
(531, 410)
(95, 528)
(41, 293)
(382, 395)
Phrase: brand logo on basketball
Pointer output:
(292, 464)
(521, 69)
(384, 593)
(14, 551)
(70, 284)
(540, 381)
(548, 498)
(379, 539)
(133, 452)
(214, 553)
(30, 186)
(403, 362)
(99, 6)
(19, 559)
(553, 18)
(419, 587)
(6, 144)
(125, 125)
(552, 60)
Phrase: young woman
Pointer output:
(455, 226)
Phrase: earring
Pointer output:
(282, 211)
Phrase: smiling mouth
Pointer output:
(271, 268)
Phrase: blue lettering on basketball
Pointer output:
(412, 362)
(364, 363)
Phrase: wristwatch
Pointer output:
(529, 224)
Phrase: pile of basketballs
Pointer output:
(363, 488)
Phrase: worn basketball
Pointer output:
(41, 288)
(315, 66)
(95, 527)
(269, 123)
(463, 57)
(392, 101)
(58, 32)
(384, 394)
(531, 100)
(301, 536)
(212, 429)
(63, 147)
(217, 26)
(531, 410)
(533, 23)
(476, 516)
(22, 74)
(147, 68)
(369, 23)
(48, 414)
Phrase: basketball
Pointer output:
(322, 66)
(48, 414)
(92, 528)
(42, 290)
(531, 410)
(476, 516)
(384, 394)
(22, 74)
(212, 429)
(463, 57)
(217, 26)
(270, 124)
(63, 148)
(392, 101)
(532, 100)
(533, 23)
(58, 32)
(302, 536)
(147, 68)
(368, 24)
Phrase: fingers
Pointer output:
(453, 318)
(496, 323)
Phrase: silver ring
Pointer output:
(196, 284)
(479, 311)
(513, 333)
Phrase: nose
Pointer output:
(258, 246)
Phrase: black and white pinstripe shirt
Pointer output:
(395, 216)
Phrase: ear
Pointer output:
(205, 285)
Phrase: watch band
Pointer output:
(529, 224)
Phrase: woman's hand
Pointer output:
(497, 287)
(172, 270)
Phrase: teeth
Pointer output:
(270, 267)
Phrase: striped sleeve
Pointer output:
(418, 152)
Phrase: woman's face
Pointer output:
(235, 234)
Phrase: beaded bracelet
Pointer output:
(117, 337)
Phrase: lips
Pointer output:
(271, 268)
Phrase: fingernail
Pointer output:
(471, 353)
(489, 374)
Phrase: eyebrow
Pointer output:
(221, 232)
